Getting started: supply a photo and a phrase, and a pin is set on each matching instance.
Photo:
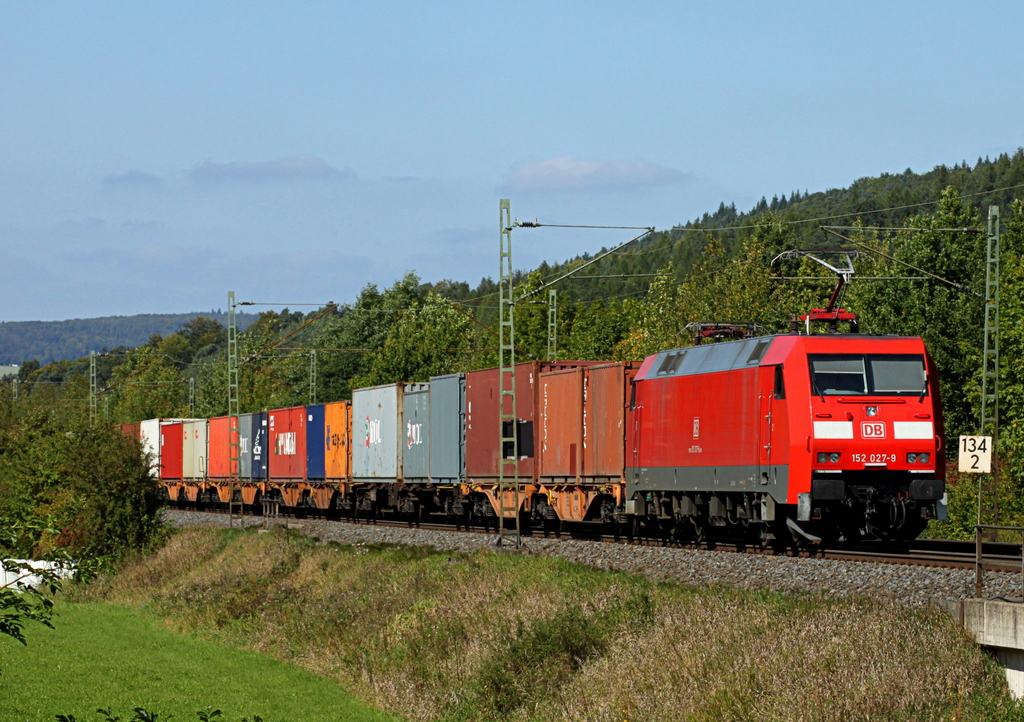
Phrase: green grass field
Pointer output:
(104, 655)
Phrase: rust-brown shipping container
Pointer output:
(132, 431)
(482, 429)
(560, 418)
(582, 420)
(606, 404)
(338, 435)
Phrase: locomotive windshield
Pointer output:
(864, 374)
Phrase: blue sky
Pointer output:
(154, 156)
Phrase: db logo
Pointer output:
(872, 430)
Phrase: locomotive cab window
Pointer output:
(870, 374)
(897, 374)
(838, 374)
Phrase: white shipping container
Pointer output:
(149, 433)
(193, 449)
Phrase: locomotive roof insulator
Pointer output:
(723, 330)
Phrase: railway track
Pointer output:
(945, 553)
(940, 553)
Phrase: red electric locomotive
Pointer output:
(831, 436)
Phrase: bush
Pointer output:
(90, 484)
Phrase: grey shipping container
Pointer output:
(448, 428)
(252, 443)
(193, 450)
(416, 418)
(377, 433)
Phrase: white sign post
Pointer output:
(975, 454)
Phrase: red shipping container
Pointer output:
(171, 436)
(218, 454)
(482, 429)
(287, 439)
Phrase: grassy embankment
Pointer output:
(445, 636)
(104, 655)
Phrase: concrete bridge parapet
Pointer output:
(997, 625)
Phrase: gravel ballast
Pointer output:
(908, 584)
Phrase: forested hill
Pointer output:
(45, 341)
(886, 200)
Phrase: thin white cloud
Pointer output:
(572, 174)
(302, 167)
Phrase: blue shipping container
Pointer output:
(316, 442)
(252, 441)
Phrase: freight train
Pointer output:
(771, 439)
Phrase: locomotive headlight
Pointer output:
(822, 457)
(911, 458)
(871, 410)
(923, 458)
(834, 457)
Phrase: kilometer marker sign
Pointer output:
(975, 454)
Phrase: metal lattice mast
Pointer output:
(191, 398)
(988, 485)
(93, 400)
(14, 389)
(236, 508)
(552, 325)
(312, 376)
(508, 464)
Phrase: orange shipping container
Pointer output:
(337, 438)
